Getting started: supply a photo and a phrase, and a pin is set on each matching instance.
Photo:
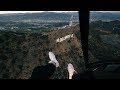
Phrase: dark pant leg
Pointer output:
(43, 72)
(84, 76)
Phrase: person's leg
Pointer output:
(45, 72)
(82, 76)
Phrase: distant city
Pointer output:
(38, 21)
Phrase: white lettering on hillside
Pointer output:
(64, 38)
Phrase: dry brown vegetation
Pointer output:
(20, 53)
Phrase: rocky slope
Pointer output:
(20, 53)
(104, 41)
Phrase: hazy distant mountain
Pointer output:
(106, 16)
(47, 16)
(72, 13)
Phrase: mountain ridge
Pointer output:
(37, 16)
(105, 16)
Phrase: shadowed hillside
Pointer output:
(104, 40)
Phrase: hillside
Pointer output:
(104, 40)
(104, 16)
(21, 52)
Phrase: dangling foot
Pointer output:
(71, 70)
(53, 59)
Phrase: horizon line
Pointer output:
(14, 12)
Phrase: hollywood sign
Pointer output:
(64, 38)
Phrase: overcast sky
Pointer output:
(7, 12)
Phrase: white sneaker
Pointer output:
(53, 59)
(71, 70)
